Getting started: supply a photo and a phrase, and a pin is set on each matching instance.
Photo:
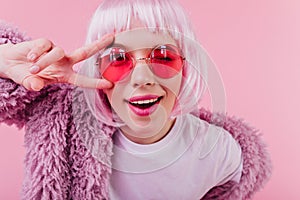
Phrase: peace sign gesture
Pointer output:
(35, 64)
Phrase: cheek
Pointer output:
(172, 85)
(115, 96)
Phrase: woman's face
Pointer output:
(142, 100)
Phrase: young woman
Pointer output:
(135, 131)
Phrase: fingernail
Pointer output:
(32, 56)
(34, 69)
(36, 87)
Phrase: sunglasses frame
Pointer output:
(146, 59)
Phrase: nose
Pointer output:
(142, 74)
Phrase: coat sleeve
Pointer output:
(257, 165)
(13, 98)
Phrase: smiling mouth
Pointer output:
(144, 104)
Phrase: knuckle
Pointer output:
(60, 52)
(83, 54)
(45, 43)
(43, 63)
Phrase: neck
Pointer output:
(149, 140)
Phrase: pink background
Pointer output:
(255, 44)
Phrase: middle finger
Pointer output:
(47, 59)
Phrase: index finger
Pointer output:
(88, 82)
(90, 49)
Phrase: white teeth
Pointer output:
(144, 101)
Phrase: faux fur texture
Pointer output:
(68, 151)
(13, 101)
(10, 34)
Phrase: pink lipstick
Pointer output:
(144, 105)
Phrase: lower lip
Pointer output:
(143, 112)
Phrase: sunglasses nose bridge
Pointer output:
(147, 60)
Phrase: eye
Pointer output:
(164, 54)
(114, 57)
(117, 56)
(116, 64)
(166, 61)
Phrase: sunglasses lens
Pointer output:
(116, 65)
(166, 61)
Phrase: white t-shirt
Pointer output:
(194, 157)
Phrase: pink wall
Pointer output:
(255, 45)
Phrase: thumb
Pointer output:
(33, 82)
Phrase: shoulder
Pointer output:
(211, 138)
(218, 147)
(256, 161)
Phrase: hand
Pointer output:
(37, 63)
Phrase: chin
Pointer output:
(146, 131)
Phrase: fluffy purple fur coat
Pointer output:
(59, 127)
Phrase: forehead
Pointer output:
(142, 38)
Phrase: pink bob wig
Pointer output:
(167, 16)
